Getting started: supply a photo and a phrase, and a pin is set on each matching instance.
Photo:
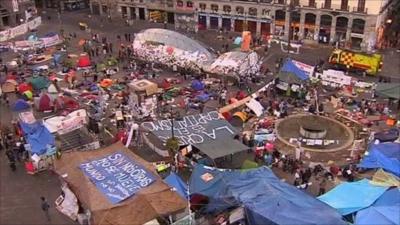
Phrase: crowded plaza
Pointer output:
(157, 127)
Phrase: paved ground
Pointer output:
(20, 192)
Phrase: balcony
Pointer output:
(336, 7)
(360, 10)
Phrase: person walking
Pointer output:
(322, 187)
(45, 207)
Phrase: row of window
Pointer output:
(180, 3)
(253, 11)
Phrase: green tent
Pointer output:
(39, 82)
(388, 90)
(247, 164)
(100, 67)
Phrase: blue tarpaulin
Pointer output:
(38, 137)
(237, 41)
(385, 211)
(198, 85)
(266, 199)
(290, 67)
(350, 197)
(385, 156)
(176, 182)
(117, 176)
(21, 105)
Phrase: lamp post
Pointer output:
(290, 9)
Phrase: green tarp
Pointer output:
(388, 90)
(39, 82)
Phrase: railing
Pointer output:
(360, 10)
(336, 7)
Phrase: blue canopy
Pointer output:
(385, 156)
(38, 136)
(175, 181)
(266, 199)
(198, 85)
(350, 197)
(385, 211)
(21, 105)
(290, 67)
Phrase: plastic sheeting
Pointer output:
(266, 199)
(176, 182)
(38, 137)
(385, 156)
(385, 211)
(290, 67)
(350, 197)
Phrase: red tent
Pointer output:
(66, 103)
(84, 60)
(24, 87)
(45, 103)
(166, 84)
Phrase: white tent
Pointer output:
(236, 62)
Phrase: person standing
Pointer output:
(11, 159)
(322, 187)
(45, 207)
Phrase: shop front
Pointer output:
(226, 24)
(202, 22)
(252, 26)
(265, 28)
(239, 25)
(214, 22)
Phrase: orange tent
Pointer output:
(106, 83)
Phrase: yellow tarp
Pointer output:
(381, 178)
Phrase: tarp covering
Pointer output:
(383, 155)
(38, 137)
(144, 85)
(381, 178)
(350, 197)
(385, 211)
(388, 90)
(198, 85)
(84, 60)
(290, 67)
(267, 200)
(178, 184)
(21, 105)
(208, 132)
(39, 82)
(148, 203)
(9, 86)
(45, 103)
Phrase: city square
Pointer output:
(199, 112)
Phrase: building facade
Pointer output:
(346, 22)
(68, 5)
(16, 12)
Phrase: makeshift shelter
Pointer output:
(213, 136)
(39, 82)
(84, 61)
(238, 119)
(66, 103)
(21, 105)
(9, 86)
(350, 197)
(27, 95)
(52, 89)
(388, 90)
(290, 67)
(178, 184)
(45, 103)
(265, 198)
(106, 83)
(152, 197)
(384, 155)
(197, 85)
(144, 87)
(38, 137)
(24, 87)
(235, 62)
(384, 211)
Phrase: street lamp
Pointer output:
(290, 9)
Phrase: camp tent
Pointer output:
(178, 184)
(27, 95)
(39, 83)
(350, 197)
(24, 87)
(197, 85)
(65, 103)
(144, 86)
(146, 204)
(388, 90)
(21, 105)
(38, 137)
(266, 199)
(9, 86)
(45, 103)
(385, 211)
(290, 67)
(84, 61)
(52, 89)
(383, 155)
